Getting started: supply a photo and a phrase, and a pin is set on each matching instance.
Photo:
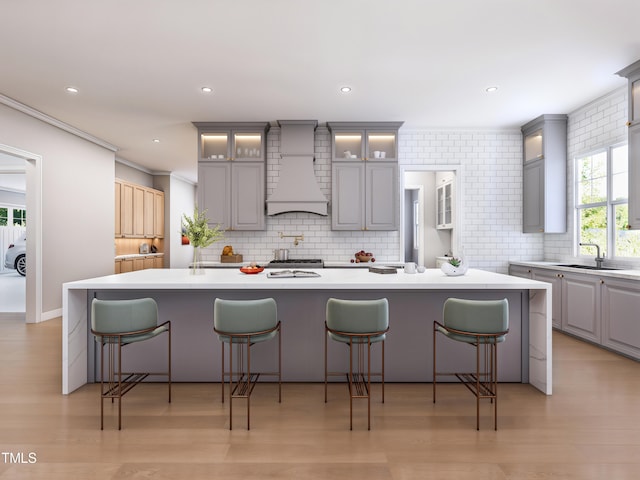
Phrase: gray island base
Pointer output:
(415, 301)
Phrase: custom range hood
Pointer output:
(297, 189)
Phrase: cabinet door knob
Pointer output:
(629, 124)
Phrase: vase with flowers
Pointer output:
(200, 235)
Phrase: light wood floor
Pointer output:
(588, 430)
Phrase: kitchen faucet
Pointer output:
(599, 259)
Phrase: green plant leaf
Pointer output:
(197, 229)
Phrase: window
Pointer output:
(602, 204)
(20, 217)
(13, 217)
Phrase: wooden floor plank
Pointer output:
(588, 429)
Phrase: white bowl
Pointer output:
(452, 271)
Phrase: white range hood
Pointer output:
(297, 189)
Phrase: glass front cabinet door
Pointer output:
(365, 141)
(238, 141)
(231, 173)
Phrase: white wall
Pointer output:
(133, 175)
(77, 202)
(16, 199)
(179, 199)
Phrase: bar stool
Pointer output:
(244, 323)
(359, 324)
(482, 324)
(115, 324)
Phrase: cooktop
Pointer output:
(296, 263)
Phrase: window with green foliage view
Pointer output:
(602, 192)
(12, 217)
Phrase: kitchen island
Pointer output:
(415, 301)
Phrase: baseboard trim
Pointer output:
(19, 316)
(51, 314)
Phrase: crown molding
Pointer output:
(43, 117)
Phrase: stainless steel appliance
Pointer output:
(281, 254)
(296, 263)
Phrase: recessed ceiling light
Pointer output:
(345, 89)
(71, 90)
(156, 140)
(491, 89)
(207, 89)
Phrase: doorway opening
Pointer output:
(29, 165)
(424, 237)
(12, 233)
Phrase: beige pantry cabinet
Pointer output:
(132, 264)
(139, 211)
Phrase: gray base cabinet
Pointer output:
(597, 308)
(555, 279)
(581, 306)
(519, 271)
(620, 320)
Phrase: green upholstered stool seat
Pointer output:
(115, 324)
(358, 324)
(482, 324)
(243, 323)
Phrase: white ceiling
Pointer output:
(139, 65)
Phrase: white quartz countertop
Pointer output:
(139, 255)
(329, 279)
(629, 274)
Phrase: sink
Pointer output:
(588, 267)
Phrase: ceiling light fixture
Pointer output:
(207, 89)
(491, 89)
(156, 140)
(345, 89)
(71, 90)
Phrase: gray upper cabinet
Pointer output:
(231, 173)
(632, 73)
(544, 208)
(364, 193)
